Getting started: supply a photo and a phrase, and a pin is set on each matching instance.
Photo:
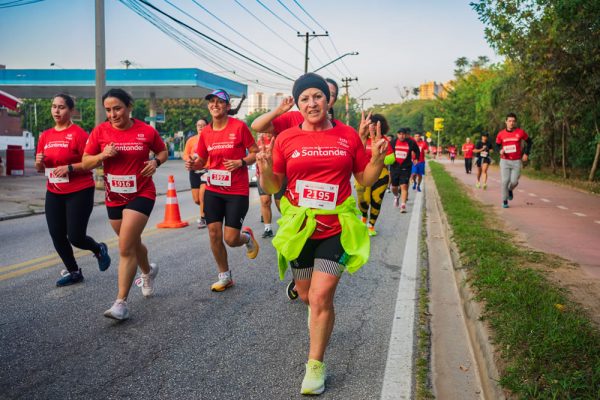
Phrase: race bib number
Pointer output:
(484, 154)
(511, 148)
(317, 195)
(218, 177)
(122, 183)
(401, 154)
(55, 179)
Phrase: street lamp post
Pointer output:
(354, 53)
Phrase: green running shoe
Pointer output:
(314, 379)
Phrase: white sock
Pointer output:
(267, 227)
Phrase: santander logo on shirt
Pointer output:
(129, 147)
(318, 151)
(220, 146)
(56, 144)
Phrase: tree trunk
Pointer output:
(564, 149)
(596, 157)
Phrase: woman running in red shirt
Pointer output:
(197, 177)
(229, 147)
(319, 234)
(121, 145)
(70, 190)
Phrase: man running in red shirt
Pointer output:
(418, 168)
(467, 150)
(508, 143)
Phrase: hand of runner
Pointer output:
(61, 171)
(363, 128)
(231, 165)
(264, 157)
(109, 151)
(39, 162)
(286, 105)
(193, 162)
(525, 158)
(378, 143)
(149, 168)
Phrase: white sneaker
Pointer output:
(148, 280)
(396, 201)
(118, 310)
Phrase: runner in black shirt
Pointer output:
(483, 148)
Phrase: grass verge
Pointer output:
(423, 361)
(549, 348)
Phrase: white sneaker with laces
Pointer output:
(148, 280)
(118, 310)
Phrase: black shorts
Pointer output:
(277, 195)
(326, 249)
(400, 176)
(139, 204)
(483, 160)
(229, 207)
(196, 179)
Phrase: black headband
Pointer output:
(308, 81)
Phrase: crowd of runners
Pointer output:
(306, 160)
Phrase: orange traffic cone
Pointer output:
(172, 216)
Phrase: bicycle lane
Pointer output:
(549, 217)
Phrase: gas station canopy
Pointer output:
(175, 83)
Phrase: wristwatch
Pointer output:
(70, 167)
(244, 163)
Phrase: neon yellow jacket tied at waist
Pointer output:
(292, 236)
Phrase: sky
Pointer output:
(401, 43)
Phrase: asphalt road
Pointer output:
(187, 342)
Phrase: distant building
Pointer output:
(262, 101)
(433, 90)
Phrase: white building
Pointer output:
(264, 101)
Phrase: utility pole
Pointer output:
(362, 102)
(100, 62)
(307, 37)
(346, 85)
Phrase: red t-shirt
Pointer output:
(287, 120)
(229, 143)
(368, 147)
(64, 148)
(402, 150)
(511, 143)
(467, 150)
(122, 179)
(423, 147)
(325, 157)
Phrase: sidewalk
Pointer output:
(551, 218)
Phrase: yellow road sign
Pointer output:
(438, 124)
(428, 134)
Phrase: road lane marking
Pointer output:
(545, 200)
(533, 194)
(397, 379)
(598, 222)
(520, 190)
(580, 214)
(43, 262)
(563, 207)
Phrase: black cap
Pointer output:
(308, 81)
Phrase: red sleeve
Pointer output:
(41, 143)
(82, 138)
(157, 144)
(525, 135)
(499, 138)
(286, 120)
(247, 137)
(278, 158)
(201, 149)
(360, 155)
(92, 147)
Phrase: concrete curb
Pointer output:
(479, 332)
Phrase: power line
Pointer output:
(295, 16)
(188, 43)
(310, 16)
(267, 26)
(18, 3)
(276, 16)
(214, 40)
(230, 41)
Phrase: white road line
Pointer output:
(563, 207)
(580, 214)
(533, 194)
(398, 377)
(545, 200)
(598, 222)
(520, 190)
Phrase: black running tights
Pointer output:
(67, 216)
